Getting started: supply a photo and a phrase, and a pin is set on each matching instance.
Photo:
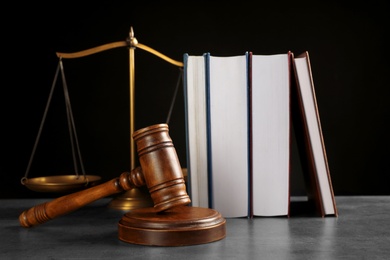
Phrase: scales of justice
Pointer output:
(154, 191)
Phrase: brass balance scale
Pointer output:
(131, 199)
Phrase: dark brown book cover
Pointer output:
(304, 143)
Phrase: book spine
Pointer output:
(208, 119)
(290, 56)
(185, 80)
(250, 166)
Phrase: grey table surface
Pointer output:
(361, 231)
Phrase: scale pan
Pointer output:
(61, 183)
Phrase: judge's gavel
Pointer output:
(159, 169)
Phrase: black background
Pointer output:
(347, 43)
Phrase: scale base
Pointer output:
(179, 226)
(132, 199)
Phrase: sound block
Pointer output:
(179, 226)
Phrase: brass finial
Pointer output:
(131, 33)
(132, 41)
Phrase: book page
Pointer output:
(195, 82)
(270, 134)
(229, 134)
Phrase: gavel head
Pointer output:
(161, 167)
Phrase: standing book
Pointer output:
(228, 134)
(270, 133)
(310, 139)
(196, 128)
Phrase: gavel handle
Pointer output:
(63, 205)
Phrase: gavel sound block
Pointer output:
(170, 222)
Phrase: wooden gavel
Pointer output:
(159, 169)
